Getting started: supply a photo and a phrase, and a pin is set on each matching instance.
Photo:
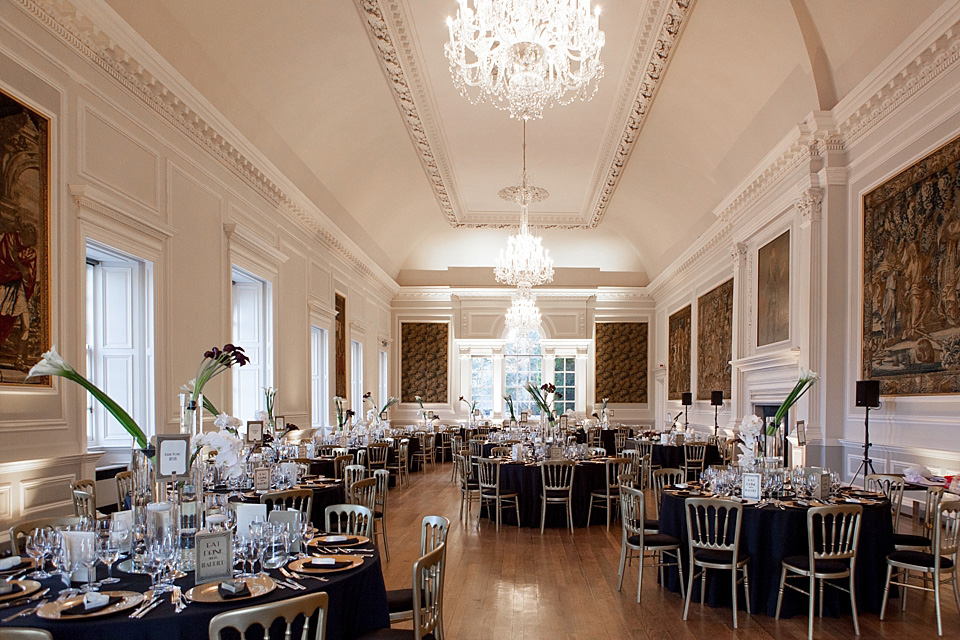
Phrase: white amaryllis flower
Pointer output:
(51, 364)
(750, 427)
(227, 448)
(224, 421)
(807, 374)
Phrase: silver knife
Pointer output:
(22, 600)
(156, 603)
(142, 607)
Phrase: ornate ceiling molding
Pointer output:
(78, 30)
(386, 22)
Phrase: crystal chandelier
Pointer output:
(523, 55)
(523, 314)
(524, 263)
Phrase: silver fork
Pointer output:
(177, 599)
(26, 611)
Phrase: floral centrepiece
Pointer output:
(378, 412)
(509, 400)
(226, 446)
(472, 404)
(51, 364)
(269, 398)
(214, 362)
(750, 429)
(807, 379)
(544, 396)
(342, 416)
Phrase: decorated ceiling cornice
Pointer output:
(165, 94)
(386, 21)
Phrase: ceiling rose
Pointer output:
(524, 55)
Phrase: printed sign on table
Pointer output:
(214, 556)
(173, 457)
(751, 486)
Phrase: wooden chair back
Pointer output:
(299, 499)
(363, 492)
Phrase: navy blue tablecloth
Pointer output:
(771, 534)
(358, 604)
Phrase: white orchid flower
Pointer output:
(51, 364)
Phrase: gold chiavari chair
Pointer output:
(456, 444)
(609, 497)
(428, 576)
(19, 531)
(923, 541)
(620, 440)
(352, 474)
(84, 494)
(124, 481)
(490, 491)
(942, 564)
(382, 478)
(694, 453)
(340, 463)
(377, 454)
(400, 464)
(557, 477)
(832, 536)
(500, 452)
(469, 486)
(363, 492)
(636, 538)
(890, 486)
(348, 519)
(713, 541)
(664, 478)
(433, 533)
(476, 448)
(264, 615)
(24, 633)
(299, 499)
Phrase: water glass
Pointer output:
(37, 549)
(88, 560)
(108, 551)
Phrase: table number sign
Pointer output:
(254, 430)
(801, 433)
(261, 479)
(173, 457)
(302, 451)
(751, 485)
(664, 439)
(280, 423)
(563, 421)
(820, 486)
(214, 556)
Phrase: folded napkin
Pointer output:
(10, 563)
(91, 603)
(344, 540)
(227, 594)
(8, 588)
(328, 563)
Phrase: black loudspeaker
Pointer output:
(686, 399)
(868, 393)
(716, 398)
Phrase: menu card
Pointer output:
(214, 556)
(261, 479)
(751, 486)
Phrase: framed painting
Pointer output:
(773, 291)
(911, 278)
(678, 363)
(24, 241)
(715, 341)
(423, 361)
(621, 362)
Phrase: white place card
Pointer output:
(261, 479)
(247, 513)
(751, 486)
(664, 439)
(254, 430)
(124, 520)
(72, 541)
(291, 520)
(173, 456)
(820, 488)
(214, 556)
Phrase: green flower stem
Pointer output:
(115, 409)
(208, 405)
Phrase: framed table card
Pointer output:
(261, 479)
(563, 421)
(523, 416)
(280, 423)
(254, 430)
(302, 451)
(801, 433)
(173, 456)
(214, 556)
(751, 486)
(820, 486)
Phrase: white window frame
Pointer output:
(319, 376)
(356, 378)
(569, 393)
(247, 402)
(485, 409)
(521, 399)
(383, 366)
(134, 353)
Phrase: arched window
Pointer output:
(523, 361)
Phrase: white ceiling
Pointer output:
(305, 82)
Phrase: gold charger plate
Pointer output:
(208, 593)
(324, 541)
(26, 563)
(29, 586)
(51, 610)
(303, 564)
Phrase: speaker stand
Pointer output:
(716, 425)
(685, 423)
(866, 465)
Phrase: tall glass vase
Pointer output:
(141, 464)
(191, 414)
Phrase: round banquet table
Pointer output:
(526, 479)
(672, 456)
(323, 466)
(769, 535)
(358, 604)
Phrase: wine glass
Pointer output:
(108, 551)
(306, 531)
(87, 558)
(36, 549)
(153, 564)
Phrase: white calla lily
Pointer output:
(51, 364)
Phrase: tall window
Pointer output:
(523, 362)
(481, 383)
(119, 341)
(565, 379)
(382, 365)
(252, 330)
(319, 378)
(356, 378)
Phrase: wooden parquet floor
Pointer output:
(518, 584)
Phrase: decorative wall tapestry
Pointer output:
(423, 361)
(714, 341)
(678, 364)
(621, 361)
(911, 278)
(24, 242)
(773, 291)
(340, 338)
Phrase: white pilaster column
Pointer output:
(739, 339)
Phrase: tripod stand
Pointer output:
(866, 465)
